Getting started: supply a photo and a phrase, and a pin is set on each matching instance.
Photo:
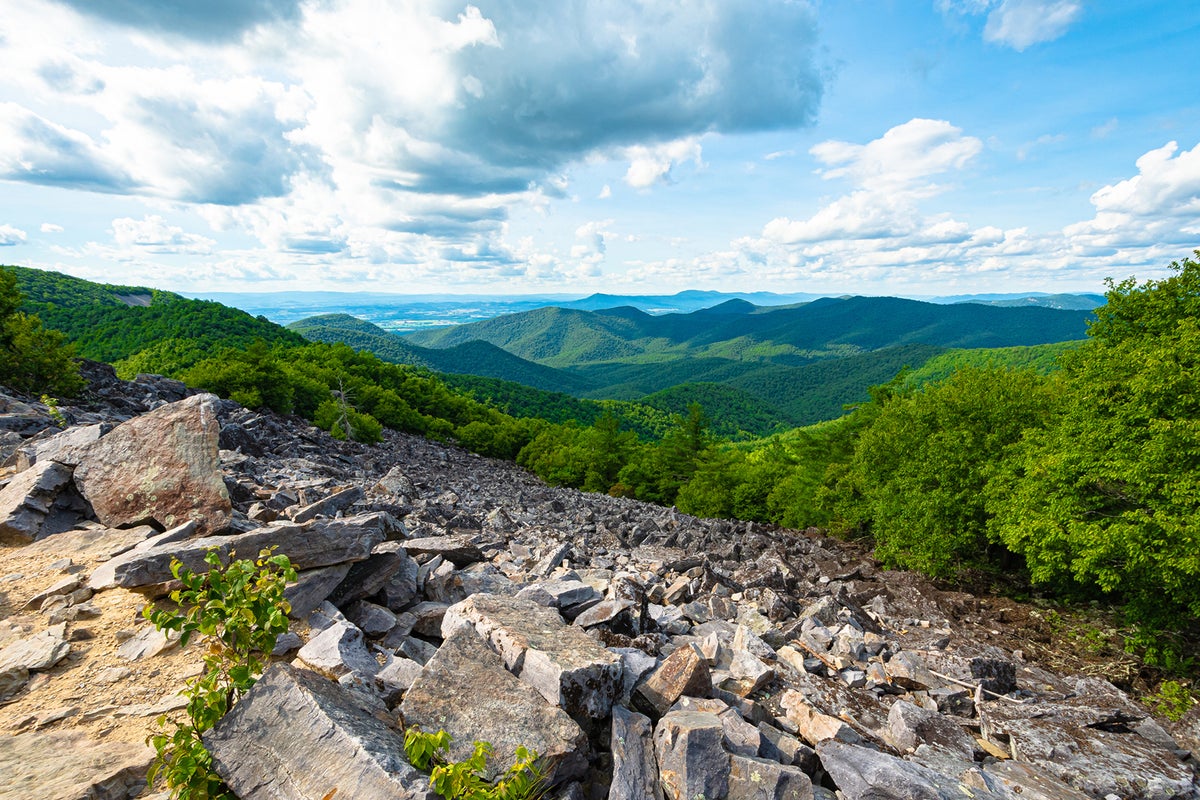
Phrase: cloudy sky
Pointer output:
(514, 146)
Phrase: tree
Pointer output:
(1108, 497)
(32, 358)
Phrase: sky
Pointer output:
(909, 147)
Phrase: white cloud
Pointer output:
(1020, 24)
(651, 165)
(153, 235)
(50, 227)
(900, 159)
(589, 252)
(605, 192)
(10, 236)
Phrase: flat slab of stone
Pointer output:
(161, 467)
(459, 550)
(684, 672)
(466, 691)
(313, 544)
(68, 765)
(559, 660)
(329, 506)
(38, 651)
(865, 774)
(298, 735)
(759, 779)
(815, 726)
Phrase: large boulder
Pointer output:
(28, 499)
(297, 735)
(161, 468)
(465, 690)
(69, 765)
(561, 661)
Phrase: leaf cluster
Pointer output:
(239, 611)
(467, 779)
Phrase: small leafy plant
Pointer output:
(240, 611)
(1172, 700)
(51, 404)
(465, 780)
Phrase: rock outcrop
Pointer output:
(641, 652)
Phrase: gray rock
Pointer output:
(466, 691)
(750, 673)
(160, 467)
(561, 661)
(457, 585)
(457, 549)
(908, 670)
(329, 506)
(635, 772)
(339, 650)
(313, 544)
(373, 620)
(68, 765)
(759, 779)
(997, 675)
(823, 611)
(683, 672)
(910, 725)
(746, 639)
(691, 761)
(28, 499)
(401, 587)
(297, 735)
(740, 736)
(397, 483)
(146, 643)
(604, 612)
(38, 651)
(396, 678)
(63, 586)
(1015, 780)
(66, 447)
(370, 575)
(312, 587)
(865, 774)
(785, 748)
(428, 617)
(566, 593)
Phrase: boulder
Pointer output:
(28, 499)
(297, 735)
(691, 761)
(312, 587)
(759, 779)
(37, 651)
(162, 467)
(339, 650)
(910, 725)
(865, 774)
(815, 726)
(38, 765)
(313, 544)
(561, 661)
(466, 691)
(329, 506)
(683, 672)
(635, 772)
(457, 549)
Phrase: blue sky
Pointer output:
(907, 147)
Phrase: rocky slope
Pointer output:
(643, 653)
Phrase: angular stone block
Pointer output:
(691, 761)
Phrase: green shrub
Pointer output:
(240, 612)
(466, 780)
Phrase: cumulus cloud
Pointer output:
(903, 157)
(36, 150)
(50, 227)
(651, 165)
(152, 234)
(591, 248)
(10, 236)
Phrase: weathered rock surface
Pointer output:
(635, 771)
(28, 499)
(66, 765)
(865, 774)
(560, 661)
(691, 760)
(297, 735)
(162, 467)
(465, 690)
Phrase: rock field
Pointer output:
(641, 652)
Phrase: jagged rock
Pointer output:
(12, 680)
(396, 678)
(373, 620)
(683, 672)
(559, 660)
(457, 585)
(401, 587)
(297, 735)
(427, 618)
(161, 467)
(996, 675)
(910, 725)
(396, 482)
(1090, 743)
(691, 761)
(1013, 780)
(740, 736)
(38, 651)
(750, 673)
(66, 447)
(465, 690)
(312, 544)
(369, 576)
(865, 774)
(565, 593)
(758, 779)
(746, 639)
(63, 586)
(813, 725)
(823, 611)
(313, 587)
(329, 506)
(457, 549)
(604, 612)
(785, 748)
(908, 669)
(68, 765)
(635, 771)
(28, 499)
(338, 650)
(146, 643)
